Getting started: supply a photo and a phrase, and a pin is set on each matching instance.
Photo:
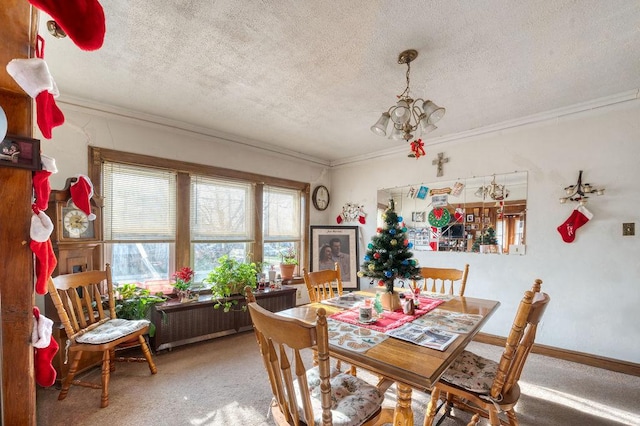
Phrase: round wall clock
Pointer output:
(75, 223)
(320, 197)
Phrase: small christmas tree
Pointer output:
(487, 237)
(388, 256)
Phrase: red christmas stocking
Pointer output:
(579, 217)
(44, 349)
(48, 114)
(82, 20)
(45, 263)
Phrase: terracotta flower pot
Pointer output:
(286, 271)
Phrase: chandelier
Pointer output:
(579, 191)
(493, 191)
(407, 115)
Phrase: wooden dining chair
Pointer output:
(323, 284)
(319, 395)
(444, 280)
(485, 387)
(90, 327)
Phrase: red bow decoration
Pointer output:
(438, 213)
(417, 149)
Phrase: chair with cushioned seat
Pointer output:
(319, 395)
(485, 387)
(322, 285)
(443, 280)
(92, 328)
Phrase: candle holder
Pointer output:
(579, 191)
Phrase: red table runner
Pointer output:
(389, 320)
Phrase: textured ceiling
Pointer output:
(311, 76)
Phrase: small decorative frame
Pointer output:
(20, 152)
(470, 218)
(348, 258)
(417, 217)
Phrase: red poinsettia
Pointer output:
(183, 278)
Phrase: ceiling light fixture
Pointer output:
(407, 115)
(493, 191)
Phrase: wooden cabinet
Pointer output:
(182, 323)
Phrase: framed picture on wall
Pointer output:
(336, 244)
(469, 218)
(417, 216)
(17, 151)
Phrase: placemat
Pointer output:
(352, 337)
(455, 322)
(389, 320)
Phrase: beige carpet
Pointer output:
(223, 382)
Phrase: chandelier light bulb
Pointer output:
(563, 200)
(396, 134)
(380, 128)
(433, 111)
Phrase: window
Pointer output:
(139, 222)
(281, 209)
(221, 221)
(162, 214)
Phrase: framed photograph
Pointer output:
(417, 217)
(17, 151)
(331, 244)
(469, 218)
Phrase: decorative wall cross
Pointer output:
(440, 162)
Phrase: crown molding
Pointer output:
(123, 114)
(607, 101)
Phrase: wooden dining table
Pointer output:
(409, 365)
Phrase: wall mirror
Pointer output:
(484, 214)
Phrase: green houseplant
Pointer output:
(133, 303)
(288, 262)
(229, 278)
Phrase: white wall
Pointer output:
(593, 282)
(84, 127)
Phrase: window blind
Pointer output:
(281, 214)
(221, 210)
(140, 203)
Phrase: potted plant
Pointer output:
(184, 281)
(133, 303)
(288, 263)
(229, 278)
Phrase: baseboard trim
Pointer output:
(567, 355)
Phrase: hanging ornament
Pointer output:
(417, 149)
(376, 255)
(439, 217)
(394, 242)
(352, 212)
(458, 215)
(372, 267)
